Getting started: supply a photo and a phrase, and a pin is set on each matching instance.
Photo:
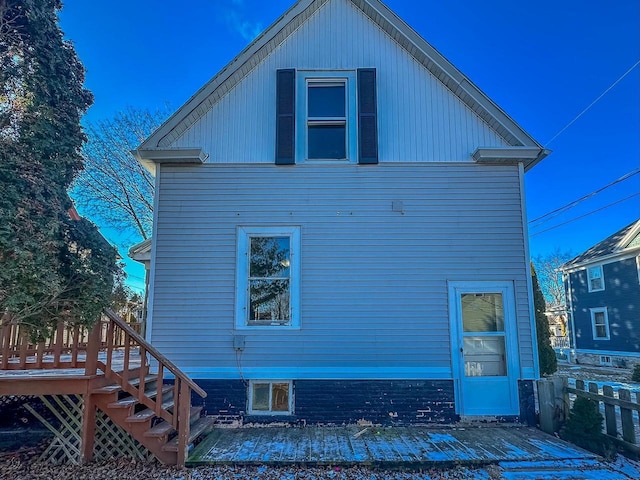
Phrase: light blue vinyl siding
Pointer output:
(373, 283)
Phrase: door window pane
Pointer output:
(482, 312)
(484, 356)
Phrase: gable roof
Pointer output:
(200, 103)
(617, 243)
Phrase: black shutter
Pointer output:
(285, 117)
(367, 117)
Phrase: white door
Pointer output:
(484, 348)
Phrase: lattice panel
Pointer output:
(111, 441)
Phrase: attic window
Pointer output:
(326, 116)
(326, 120)
(596, 278)
(326, 113)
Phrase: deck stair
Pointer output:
(119, 373)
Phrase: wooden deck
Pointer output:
(108, 368)
(392, 447)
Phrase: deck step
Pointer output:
(160, 430)
(202, 425)
(128, 401)
(146, 414)
(116, 387)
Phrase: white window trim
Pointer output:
(250, 409)
(638, 267)
(242, 274)
(303, 78)
(593, 322)
(601, 277)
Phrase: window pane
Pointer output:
(601, 331)
(327, 141)
(269, 302)
(599, 318)
(260, 396)
(326, 100)
(484, 357)
(596, 283)
(270, 257)
(482, 312)
(280, 397)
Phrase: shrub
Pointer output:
(584, 428)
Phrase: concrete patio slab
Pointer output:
(383, 447)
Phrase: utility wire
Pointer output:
(593, 103)
(585, 197)
(586, 214)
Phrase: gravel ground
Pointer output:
(16, 469)
(21, 465)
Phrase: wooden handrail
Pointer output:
(155, 353)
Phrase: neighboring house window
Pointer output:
(596, 278)
(268, 277)
(270, 397)
(326, 116)
(600, 323)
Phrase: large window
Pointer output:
(600, 323)
(327, 116)
(268, 277)
(596, 278)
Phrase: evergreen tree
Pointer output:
(546, 354)
(52, 266)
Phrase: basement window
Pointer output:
(605, 360)
(270, 397)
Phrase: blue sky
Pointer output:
(542, 61)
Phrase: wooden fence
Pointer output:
(620, 408)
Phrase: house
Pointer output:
(339, 231)
(603, 296)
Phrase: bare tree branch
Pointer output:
(550, 278)
(114, 188)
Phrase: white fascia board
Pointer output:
(528, 156)
(605, 259)
(141, 252)
(149, 157)
(629, 236)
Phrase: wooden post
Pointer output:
(93, 347)
(88, 428)
(184, 410)
(626, 415)
(551, 398)
(609, 412)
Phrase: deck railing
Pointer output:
(65, 348)
(559, 342)
(174, 409)
(115, 349)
